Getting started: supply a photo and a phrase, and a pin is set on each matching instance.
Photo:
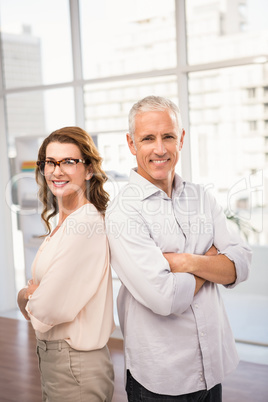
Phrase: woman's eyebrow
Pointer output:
(66, 157)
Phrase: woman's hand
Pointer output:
(31, 288)
(23, 297)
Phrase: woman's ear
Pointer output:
(89, 172)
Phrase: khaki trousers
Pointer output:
(69, 375)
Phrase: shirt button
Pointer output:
(196, 305)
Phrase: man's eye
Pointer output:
(169, 136)
(147, 139)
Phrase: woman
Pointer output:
(69, 299)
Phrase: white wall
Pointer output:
(257, 283)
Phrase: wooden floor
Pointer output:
(19, 376)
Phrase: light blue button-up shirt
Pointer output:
(175, 342)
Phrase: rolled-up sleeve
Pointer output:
(142, 268)
(230, 243)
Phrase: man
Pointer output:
(171, 247)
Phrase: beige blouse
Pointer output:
(74, 299)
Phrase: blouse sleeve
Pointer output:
(73, 277)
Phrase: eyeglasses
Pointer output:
(67, 166)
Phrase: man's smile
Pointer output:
(159, 161)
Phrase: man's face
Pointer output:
(157, 144)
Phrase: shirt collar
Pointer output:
(148, 189)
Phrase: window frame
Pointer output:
(181, 71)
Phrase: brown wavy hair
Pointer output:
(94, 192)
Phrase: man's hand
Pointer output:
(212, 251)
(213, 267)
(23, 297)
(185, 262)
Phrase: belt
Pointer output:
(52, 345)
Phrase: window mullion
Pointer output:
(77, 62)
(182, 80)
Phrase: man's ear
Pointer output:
(131, 144)
(182, 138)
(89, 172)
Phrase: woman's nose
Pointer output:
(57, 170)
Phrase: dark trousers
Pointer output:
(137, 393)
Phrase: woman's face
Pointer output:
(67, 183)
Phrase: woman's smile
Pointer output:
(59, 183)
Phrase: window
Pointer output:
(36, 42)
(33, 113)
(242, 10)
(130, 50)
(107, 152)
(123, 37)
(219, 35)
(252, 125)
(106, 110)
(251, 92)
(224, 30)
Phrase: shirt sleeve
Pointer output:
(230, 243)
(142, 268)
(73, 277)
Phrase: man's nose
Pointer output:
(160, 148)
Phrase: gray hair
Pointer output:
(150, 104)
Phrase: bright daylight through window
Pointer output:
(94, 62)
